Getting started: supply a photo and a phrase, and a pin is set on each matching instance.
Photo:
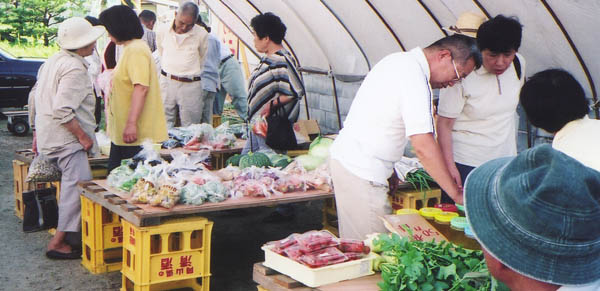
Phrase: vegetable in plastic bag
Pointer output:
(215, 191)
(192, 193)
(143, 191)
(121, 177)
(310, 162)
(320, 147)
(43, 170)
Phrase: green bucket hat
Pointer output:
(539, 214)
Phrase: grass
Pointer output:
(29, 50)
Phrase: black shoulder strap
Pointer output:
(517, 64)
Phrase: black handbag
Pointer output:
(41, 209)
(280, 130)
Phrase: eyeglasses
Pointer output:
(458, 77)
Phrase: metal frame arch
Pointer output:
(389, 28)
(437, 22)
(362, 51)
(586, 71)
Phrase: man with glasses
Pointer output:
(392, 106)
(477, 118)
(182, 47)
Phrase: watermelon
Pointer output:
(233, 160)
(259, 160)
(282, 163)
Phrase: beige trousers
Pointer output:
(359, 203)
(186, 96)
(73, 163)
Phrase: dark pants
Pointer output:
(118, 153)
(464, 171)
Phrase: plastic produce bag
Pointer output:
(324, 257)
(143, 191)
(215, 191)
(315, 240)
(192, 193)
(43, 170)
(121, 177)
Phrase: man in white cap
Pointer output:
(61, 108)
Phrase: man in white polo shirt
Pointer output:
(394, 105)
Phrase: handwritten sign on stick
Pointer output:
(421, 229)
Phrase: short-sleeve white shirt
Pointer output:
(578, 139)
(484, 107)
(393, 103)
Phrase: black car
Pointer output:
(17, 76)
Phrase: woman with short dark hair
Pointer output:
(135, 111)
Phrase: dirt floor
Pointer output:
(236, 240)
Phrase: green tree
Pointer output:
(36, 19)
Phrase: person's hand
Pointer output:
(86, 142)
(459, 199)
(34, 145)
(393, 183)
(266, 111)
(455, 175)
(130, 133)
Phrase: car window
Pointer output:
(5, 55)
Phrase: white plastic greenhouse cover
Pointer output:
(348, 37)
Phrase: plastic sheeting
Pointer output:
(349, 36)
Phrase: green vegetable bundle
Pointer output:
(417, 265)
(420, 180)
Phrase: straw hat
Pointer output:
(467, 24)
(76, 32)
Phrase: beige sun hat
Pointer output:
(76, 32)
(467, 24)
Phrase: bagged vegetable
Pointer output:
(192, 193)
(320, 147)
(122, 177)
(323, 257)
(143, 191)
(43, 170)
(310, 162)
(215, 191)
(315, 240)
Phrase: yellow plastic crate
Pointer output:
(20, 170)
(198, 284)
(330, 221)
(99, 172)
(414, 199)
(176, 250)
(295, 153)
(261, 288)
(216, 120)
(102, 238)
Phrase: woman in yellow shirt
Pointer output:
(135, 111)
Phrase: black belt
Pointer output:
(180, 79)
(225, 59)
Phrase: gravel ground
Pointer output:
(236, 240)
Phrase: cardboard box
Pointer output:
(306, 130)
(421, 229)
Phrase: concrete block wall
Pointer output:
(321, 101)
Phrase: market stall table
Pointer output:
(271, 280)
(117, 201)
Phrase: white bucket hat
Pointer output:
(467, 24)
(76, 32)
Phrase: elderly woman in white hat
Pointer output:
(61, 108)
(477, 116)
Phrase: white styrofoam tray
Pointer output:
(315, 277)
